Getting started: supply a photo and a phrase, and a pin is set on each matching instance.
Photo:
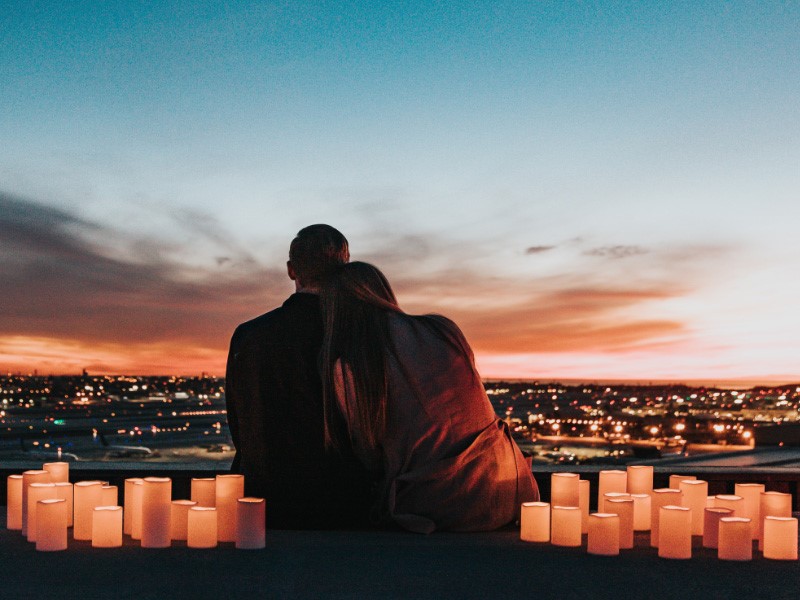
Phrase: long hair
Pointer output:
(356, 302)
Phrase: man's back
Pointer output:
(274, 397)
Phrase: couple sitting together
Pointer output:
(347, 412)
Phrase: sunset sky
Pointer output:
(591, 190)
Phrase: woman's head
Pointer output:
(360, 282)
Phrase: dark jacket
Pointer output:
(274, 401)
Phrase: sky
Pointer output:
(591, 190)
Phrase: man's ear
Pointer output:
(290, 271)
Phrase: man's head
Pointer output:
(314, 253)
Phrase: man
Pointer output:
(274, 401)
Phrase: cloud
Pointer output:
(538, 249)
(616, 251)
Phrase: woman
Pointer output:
(415, 411)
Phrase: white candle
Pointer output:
(14, 502)
(583, 503)
(64, 491)
(711, 517)
(773, 504)
(780, 538)
(623, 507)
(59, 471)
(250, 524)
(565, 528)
(127, 513)
(641, 511)
(735, 539)
(109, 495)
(751, 503)
(29, 477)
(229, 489)
(87, 495)
(179, 519)
(611, 481)
(535, 522)
(710, 502)
(51, 525)
(603, 536)
(675, 480)
(36, 492)
(660, 498)
(137, 489)
(695, 492)
(107, 527)
(564, 489)
(675, 532)
(202, 527)
(610, 496)
(640, 479)
(204, 491)
(731, 501)
(156, 512)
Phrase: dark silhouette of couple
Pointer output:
(347, 412)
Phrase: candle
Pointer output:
(623, 508)
(731, 501)
(229, 489)
(59, 471)
(751, 503)
(109, 495)
(780, 538)
(564, 489)
(36, 492)
(603, 534)
(711, 517)
(641, 512)
(156, 512)
(14, 502)
(64, 491)
(107, 527)
(710, 502)
(29, 477)
(136, 509)
(640, 479)
(611, 481)
(735, 539)
(202, 527)
(583, 503)
(610, 496)
(660, 498)
(204, 491)
(535, 522)
(250, 523)
(127, 514)
(565, 528)
(51, 525)
(87, 496)
(695, 493)
(179, 518)
(675, 532)
(675, 480)
(773, 504)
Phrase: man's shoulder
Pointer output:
(277, 324)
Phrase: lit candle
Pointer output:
(127, 514)
(204, 491)
(695, 492)
(640, 479)
(51, 525)
(675, 532)
(583, 503)
(250, 523)
(59, 471)
(675, 480)
(87, 495)
(566, 526)
(751, 503)
(641, 511)
(711, 517)
(14, 502)
(64, 491)
(29, 477)
(109, 495)
(731, 501)
(603, 534)
(623, 508)
(107, 527)
(564, 489)
(202, 527)
(179, 519)
(137, 490)
(156, 512)
(611, 481)
(660, 498)
(535, 522)
(735, 539)
(610, 496)
(229, 489)
(780, 538)
(36, 492)
(773, 504)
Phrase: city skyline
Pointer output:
(598, 191)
